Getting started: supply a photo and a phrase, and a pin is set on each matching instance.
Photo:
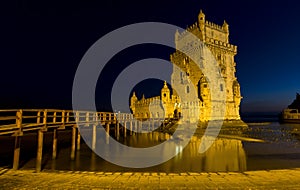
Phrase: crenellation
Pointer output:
(222, 45)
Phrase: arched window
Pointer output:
(187, 89)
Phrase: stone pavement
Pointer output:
(28, 179)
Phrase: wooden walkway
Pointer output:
(17, 122)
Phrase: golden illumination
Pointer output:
(216, 38)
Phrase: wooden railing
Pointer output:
(17, 122)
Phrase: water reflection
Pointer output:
(280, 151)
(223, 155)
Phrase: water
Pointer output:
(280, 150)
(250, 117)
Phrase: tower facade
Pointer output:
(163, 106)
(216, 39)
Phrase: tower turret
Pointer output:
(201, 21)
(165, 93)
(225, 28)
(133, 100)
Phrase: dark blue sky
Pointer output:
(44, 42)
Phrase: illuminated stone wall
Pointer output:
(187, 73)
(162, 106)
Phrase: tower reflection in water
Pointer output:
(223, 155)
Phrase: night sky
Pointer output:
(44, 41)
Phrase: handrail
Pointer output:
(15, 121)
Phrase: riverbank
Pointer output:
(28, 179)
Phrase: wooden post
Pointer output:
(94, 137)
(17, 147)
(107, 133)
(73, 146)
(136, 126)
(39, 155)
(118, 129)
(38, 119)
(78, 133)
(87, 119)
(116, 123)
(78, 139)
(125, 130)
(54, 117)
(95, 123)
(45, 119)
(17, 152)
(130, 127)
(39, 151)
(54, 145)
(68, 117)
(93, 162)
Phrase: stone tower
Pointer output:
(216, 38)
